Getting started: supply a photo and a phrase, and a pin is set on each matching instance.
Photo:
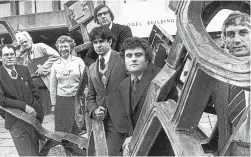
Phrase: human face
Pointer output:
(238, 40)
(8, 57)
(135, 60)
(104, 16)
(102, 46)
(64, 49)
(25, 43)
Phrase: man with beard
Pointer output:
(18, 91)
(104, 17)
(33, 51)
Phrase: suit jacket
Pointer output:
(99, 95)
(120, 32)
(133, 111)
(9, 96)
(221, 100)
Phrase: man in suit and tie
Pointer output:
(18, 91)
(133, 90)
(104, 17)
(104, 78)
(231, 101)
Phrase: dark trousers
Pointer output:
(114, 138)
(25, 138)
(44, 94)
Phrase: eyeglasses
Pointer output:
(100, 14)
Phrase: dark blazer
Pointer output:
(120, 32)
(99, 95)
(9, 96)
(133, 111)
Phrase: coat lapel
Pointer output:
(23, 81)
(125, 89)
(8, 81)
(111, 63)
(142, 85)
(96, 72)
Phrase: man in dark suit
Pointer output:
(18, 91)
(231, 101)
(104, 16)
(105, 76)
(133, 90)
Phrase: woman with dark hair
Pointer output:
(65, 78)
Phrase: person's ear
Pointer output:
(110, 42)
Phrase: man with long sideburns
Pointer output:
(104, 17)
(105, 76)
(29, 51)
(18, 91)
(133, 90)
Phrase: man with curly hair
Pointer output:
(133, 90)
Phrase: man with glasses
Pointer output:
(18, 91)
(104, 17)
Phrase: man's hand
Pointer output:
(41, 71)
(99, 113)
(30, 111)
(125, 147)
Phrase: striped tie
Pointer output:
(237, 104)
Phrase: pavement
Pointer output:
(7, 148)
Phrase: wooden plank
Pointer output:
(99, 138)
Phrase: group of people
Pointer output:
(120, 71)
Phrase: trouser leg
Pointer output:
(114, 138)
(25, 138)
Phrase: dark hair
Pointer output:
(9, 46)
(236, 18)
(133, 42)
(101, 32)
(100, 7)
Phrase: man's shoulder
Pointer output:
(124, 83)
(121, 27)
(21, 67)
(39, 44)
(152, 69)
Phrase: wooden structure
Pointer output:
(209, 64)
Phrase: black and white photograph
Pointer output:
(125, 78)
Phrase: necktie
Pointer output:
(13, 73)
(135, 81)
(103, 79)
(237, 104)
(102, 63)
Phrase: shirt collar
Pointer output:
(106, 56)
(32, 47)
(9, 70)
(139, 77)
(70, 58)
(110, 27)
